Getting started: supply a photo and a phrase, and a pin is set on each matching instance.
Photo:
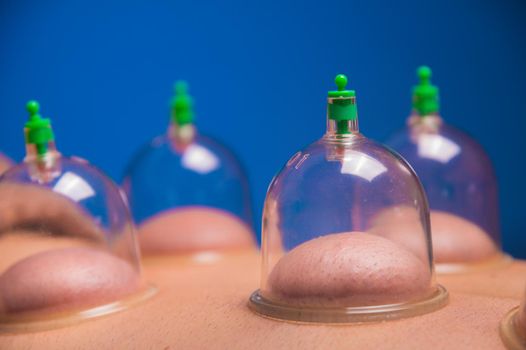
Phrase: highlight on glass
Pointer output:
(328, 255)
(68, 248)
(188, 192)
(459, 181)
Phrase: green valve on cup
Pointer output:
(342, 104)
(38, 129)
(425, 94)
(182, 105)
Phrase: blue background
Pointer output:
(259, 71)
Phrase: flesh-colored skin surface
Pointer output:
(503, 281)
(18, 245)
(37, 208)
(5, 163)
(520, 320)
(204, 307)
(458, 240)
(348, 269)
(194, 229)
(401, 225)
(65, 279)
(455, 240)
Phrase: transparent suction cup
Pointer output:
(67, 243)
(459, 181)
(326, 256)
(513, 328)
(188, 193)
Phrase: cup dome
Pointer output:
(188, 193)
(461, 187)
(513, 327)
(327, 255)
(68, 249)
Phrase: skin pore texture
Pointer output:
(205, 307)
(52, 255)
(349, 269)
(65, 279)
(455, 239)
(193, 229)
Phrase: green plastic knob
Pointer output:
(39, 131)
(33, 108)
(424, 73)
(182, 105)
(342, 105)
(425, 94)
(341, 83)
